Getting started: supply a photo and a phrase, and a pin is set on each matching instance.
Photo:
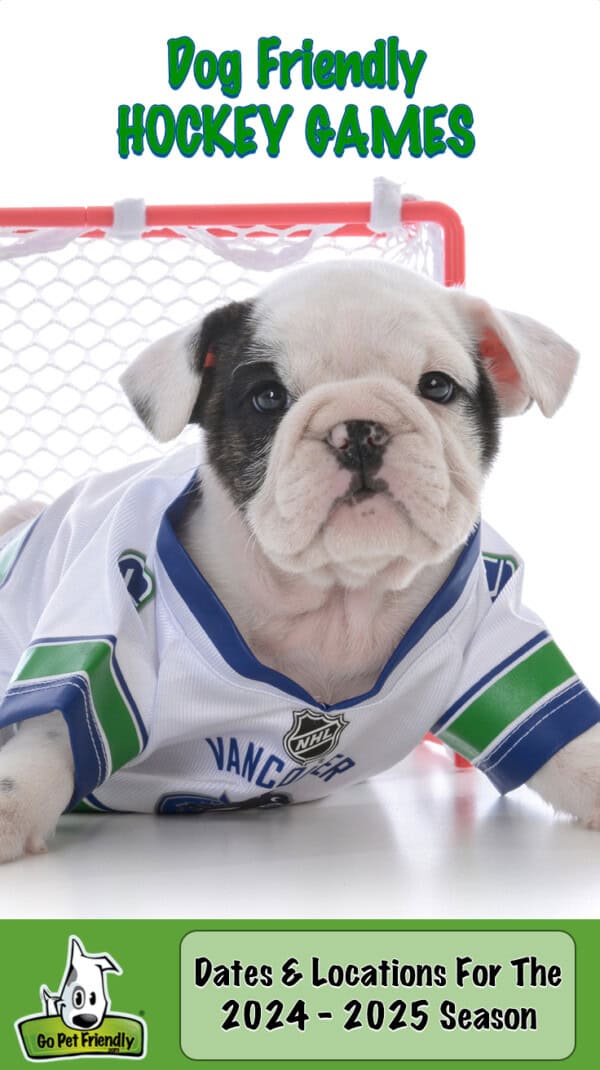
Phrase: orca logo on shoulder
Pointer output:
(139, 580)
(313, 735)
(499, 569)
(76, 1021)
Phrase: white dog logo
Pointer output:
(82, 1001)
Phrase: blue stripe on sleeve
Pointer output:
(71, 696)
(539, 737)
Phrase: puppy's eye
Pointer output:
(270, 398)
(78, 997)
(437, 386)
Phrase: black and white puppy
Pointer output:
(351, 412)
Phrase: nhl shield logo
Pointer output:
(313, 735)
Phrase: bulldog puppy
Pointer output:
(350, 413)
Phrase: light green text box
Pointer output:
(377, 995)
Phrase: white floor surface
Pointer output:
(419, 841)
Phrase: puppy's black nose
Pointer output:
(84, 1021)
(358, 444)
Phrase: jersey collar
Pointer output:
(214, 619)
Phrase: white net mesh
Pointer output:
(72, 318)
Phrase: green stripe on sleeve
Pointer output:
(94, 658)
(506, 700)
(83, 808)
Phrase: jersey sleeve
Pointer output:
(71, 639)
(15, 626)
(518, 699)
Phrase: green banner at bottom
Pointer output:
(222, 995)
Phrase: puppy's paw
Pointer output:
(20, 832)
(593, 822)
(570, 781)
(36, 784)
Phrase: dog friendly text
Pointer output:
(205, 128)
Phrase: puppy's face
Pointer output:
(351, 411)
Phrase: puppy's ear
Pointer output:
(525, 360)
(163, 382)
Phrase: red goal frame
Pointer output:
(353, 217)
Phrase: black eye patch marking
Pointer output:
(255, 377)
(252, 407)
(482, 406)
(488, 415)
(479, 403)
(238, 431)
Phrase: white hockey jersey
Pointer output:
(104, 616)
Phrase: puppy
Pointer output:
(292, 614)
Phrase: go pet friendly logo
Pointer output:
(76, 1021)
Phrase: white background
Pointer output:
(527, 195)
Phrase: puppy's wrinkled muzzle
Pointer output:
(362, 480)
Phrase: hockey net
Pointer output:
(83, 290)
